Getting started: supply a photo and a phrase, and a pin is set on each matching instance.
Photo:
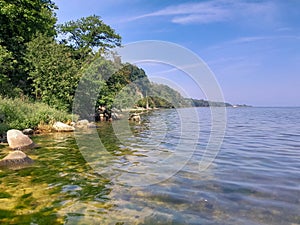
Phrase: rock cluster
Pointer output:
(85, 124)
(17, 141)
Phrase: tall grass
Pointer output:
(21, 114)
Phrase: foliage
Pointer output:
(111, 84)
(205, 103)
(128, 97)
(19, 114)
(20, 20)
(129, 84)
(7, 63)
(89, 33)
(166, 97)
(92, 89)
(54, 72)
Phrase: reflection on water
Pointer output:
(254, 179)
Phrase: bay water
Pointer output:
(148, 172)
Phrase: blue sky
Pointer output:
(252, 47)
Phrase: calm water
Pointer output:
(148, 173)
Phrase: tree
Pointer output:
(20, 20)
(127, 86)
(88, 33)
(7, 64)
(54, 72)
(92, 90)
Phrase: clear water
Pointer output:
(255, 178)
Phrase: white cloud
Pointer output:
(262, 38)
(251, 39)
(213, 11)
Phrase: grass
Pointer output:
(21, 114)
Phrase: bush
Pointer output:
(21, 114)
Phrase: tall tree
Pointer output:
(54, 72)
(7, 64)
(20, 20)
(89, 33)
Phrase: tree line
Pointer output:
(45, 61)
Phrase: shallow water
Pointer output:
(148, 173)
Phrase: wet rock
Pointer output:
(91, 125)
(135, 117)
(16, 159)
(17, 140)
(82, 123)
(28, 131)
(62, 127)
(116, 116)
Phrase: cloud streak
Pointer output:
(263, 38)
(212, 11)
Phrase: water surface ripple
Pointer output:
(255, 178)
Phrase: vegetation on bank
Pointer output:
(22, 114)
(205, 103)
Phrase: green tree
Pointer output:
(92, 90)
(7, 63)
(20, 20)
(87, 34)
(54, 72)
(127, 86)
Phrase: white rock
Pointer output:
(17, 140)
(62, 127)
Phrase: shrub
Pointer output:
(21, 114)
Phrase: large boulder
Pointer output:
(17, 140)
(16, 159)
(62, 127)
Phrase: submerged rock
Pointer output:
(85, 124)
(62, 127)
(17, 140)
(116, 116)
(135, 117)
(91, 125)
(82, 123)
(16, 159)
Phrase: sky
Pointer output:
(251, 47)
